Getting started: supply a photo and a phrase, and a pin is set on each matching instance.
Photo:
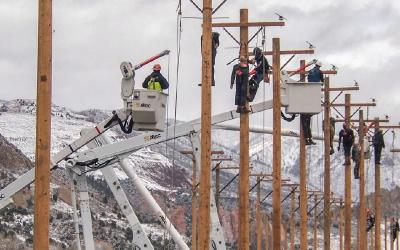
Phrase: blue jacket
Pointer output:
(315, 75)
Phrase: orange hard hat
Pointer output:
(157, 67)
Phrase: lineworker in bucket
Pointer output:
(314, 75)
(240, 76)
(378, 143)
(155, 81)
(346, 135)
(260, 72)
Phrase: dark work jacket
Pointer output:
(315, 75)
(377, 140)
(347, 135)
(158, 78)
(262, 65)
(240, 74)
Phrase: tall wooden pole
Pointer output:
(362, 214)
(276, 161)
(327, 167)
(194, 206)
(390, 235)
(205, 172)
(347, 184)
(372, 238)
(315, 246)
(377, 198)
(303, 181)
(244, 233)
(267, 241)
(341, 226)
(258, 215)
(292, 220)
(386, 229)
(43, 127)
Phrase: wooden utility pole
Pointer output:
(194, 205)
(327, 167)
(377, 198)
(205, 173)
(276, 161)
(43, 127)
(303, 180)
(362, 214)
(341, 225)
(258, 215)
(386, 229)
(372, 238)
(267, 241)
(244, 233)
(315, 246)
(292, 220)
(347, 184)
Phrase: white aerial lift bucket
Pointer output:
(300, 97)
(149, 109)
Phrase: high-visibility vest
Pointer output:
(154, 85)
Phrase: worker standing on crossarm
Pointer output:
(240, 76)
(260, 72)
(155, 81)
(346, 135)
(314, 75)
(379, 143)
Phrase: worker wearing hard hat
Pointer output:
(314, 75)
(155, 81)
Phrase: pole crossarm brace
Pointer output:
(261, 174)
(337, 89)
(354, 104)
(249, 24)
(325, 72)
(288, 195)
(290, 184)
(228, 167)
(395, 150)
(356, 120)
(288, 52)
(309, 211)
(389, 126)
(214, 152)
(270, 180)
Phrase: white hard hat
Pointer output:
(318, 63)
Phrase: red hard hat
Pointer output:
(157, 67)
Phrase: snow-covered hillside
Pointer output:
(155, 167)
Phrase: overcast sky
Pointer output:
(91, 38)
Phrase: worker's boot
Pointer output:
(312, 142)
